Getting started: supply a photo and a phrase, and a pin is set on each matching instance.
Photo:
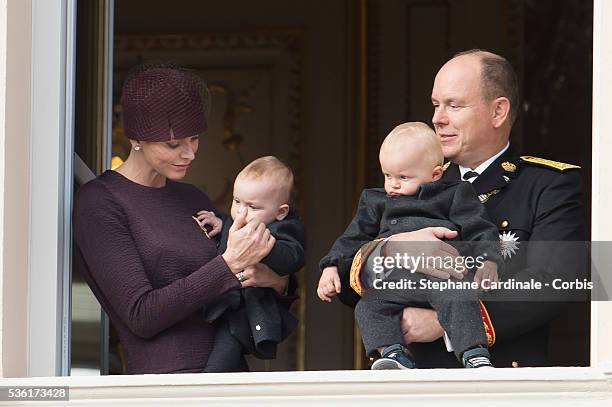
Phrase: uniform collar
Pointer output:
(497, 174)
(482, 167)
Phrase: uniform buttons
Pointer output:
(393, 221)
(514, 363)
(504, 224)
(258, 327)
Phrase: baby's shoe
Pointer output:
(394, 357)
(476, 357)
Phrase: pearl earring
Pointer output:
(137, 148)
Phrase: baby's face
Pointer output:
(404, 171)
(258, 198)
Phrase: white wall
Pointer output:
(15, 77)
(601, 315)
(2, 145)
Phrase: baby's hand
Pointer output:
(488, 271)
(329, 284)
(209, 218)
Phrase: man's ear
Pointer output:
(283, 211)
(437, 173)
(501, 111)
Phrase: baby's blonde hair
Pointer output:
(273, 169)
(420, 134)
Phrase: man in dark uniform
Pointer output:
(475, 100)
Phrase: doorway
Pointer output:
(319, 83)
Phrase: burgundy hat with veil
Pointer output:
(162, 102)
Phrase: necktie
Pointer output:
(469, 175)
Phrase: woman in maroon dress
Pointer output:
(146, 259)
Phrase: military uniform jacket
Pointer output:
(529, 199)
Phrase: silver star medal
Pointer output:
(509, 244)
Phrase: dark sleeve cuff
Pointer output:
(328, 261)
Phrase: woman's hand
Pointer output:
(261, 275)
(420, 325)
(426, 243)
(247, 244)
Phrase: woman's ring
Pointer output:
(240, 276)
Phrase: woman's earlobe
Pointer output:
(136, 145)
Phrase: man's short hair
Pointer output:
(271, 168)
(498, 78)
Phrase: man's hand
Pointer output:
(420, 325)
(209, 218)
(426, 243)
(488, 271)
(329, 284)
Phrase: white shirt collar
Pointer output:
(482, 167)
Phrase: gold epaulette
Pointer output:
(446, 165)
(548, 163)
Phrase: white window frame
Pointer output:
(52, 149)
(601, 193)
(50, 196)
(51, 184)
